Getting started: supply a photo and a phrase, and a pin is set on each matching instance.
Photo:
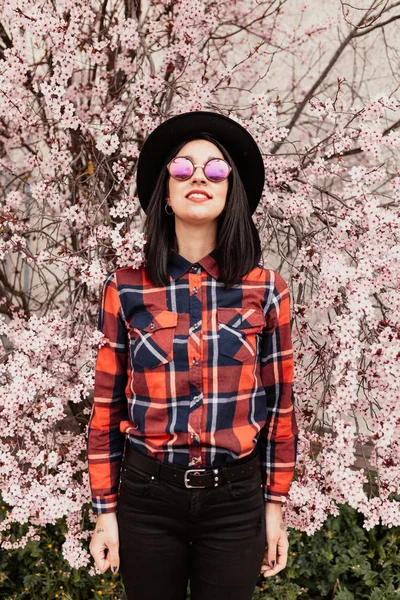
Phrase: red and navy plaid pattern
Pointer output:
(193, 374)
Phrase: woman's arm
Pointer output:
(105, 441)
(278, 437)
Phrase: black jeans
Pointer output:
(214, 537)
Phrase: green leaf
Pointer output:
(344, 594)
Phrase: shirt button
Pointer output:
(152, 325)
(195, 361)
(195, 438)
(195, 290)
(194, 268)
(196, 398)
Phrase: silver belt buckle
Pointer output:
(187, 484)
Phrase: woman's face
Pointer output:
(193, 210)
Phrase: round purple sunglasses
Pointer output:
(182, 168)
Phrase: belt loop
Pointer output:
(157, 474)
(224, 473)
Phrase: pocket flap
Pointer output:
(147, 321)
(241, 318)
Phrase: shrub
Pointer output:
(341, 561)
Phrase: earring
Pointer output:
(166, 209)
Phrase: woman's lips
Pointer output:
(198, 199)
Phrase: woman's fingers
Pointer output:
(99, 551)
(114, 557)
(104, 545)
(276, 555)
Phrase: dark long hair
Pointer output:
(238, 248)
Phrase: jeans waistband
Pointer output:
(195, 476)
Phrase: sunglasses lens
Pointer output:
(181, 168)
(217, 170)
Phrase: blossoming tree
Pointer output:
(82, 84)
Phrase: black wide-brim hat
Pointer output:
(183, 127)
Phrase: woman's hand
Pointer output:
(276, 554)
(104, 546)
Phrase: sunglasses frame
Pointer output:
(202, 166)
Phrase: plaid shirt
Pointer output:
(193, 374)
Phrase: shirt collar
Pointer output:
(178, 265)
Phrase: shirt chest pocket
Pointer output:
(237, 331)
(152, 337)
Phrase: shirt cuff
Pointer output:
(105, 504)
(275, 497)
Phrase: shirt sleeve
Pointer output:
(105, 443)
(279, 435)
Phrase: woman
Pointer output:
(192, 438)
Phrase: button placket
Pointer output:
(195, 368)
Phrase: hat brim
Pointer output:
(234, 137)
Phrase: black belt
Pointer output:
(195, 478)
